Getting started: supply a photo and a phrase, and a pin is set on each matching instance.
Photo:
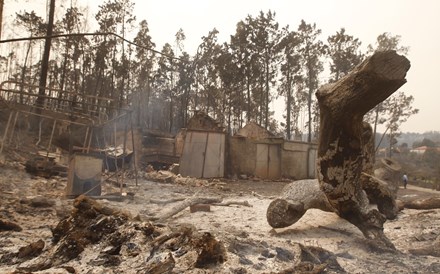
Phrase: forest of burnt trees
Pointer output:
(234, 82)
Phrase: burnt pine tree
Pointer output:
(183, 79)
(183, 87)
(229, 76)
(119, 16)
(387, 41)
(312, 51)
(164, 88)
(104, 46)
(34, 26)
(244, 57)
(265, 38)
(45, 59)
(290, 79)
(113, 16)
(126, 19)
(398, 108)
(143, 72)
(206, 72)
(344, 53)
(69, 76)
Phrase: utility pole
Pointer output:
(45, 62)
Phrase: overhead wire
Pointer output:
(88, 34)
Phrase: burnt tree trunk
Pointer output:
(341, 156)
(45, 60)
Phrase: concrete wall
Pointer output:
(242, 156)
(298, 160)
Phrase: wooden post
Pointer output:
(124, 148)
(134, 150)
(340, 150)
(13, 126)
(90, 140)
(105, 146)
(51, 138)
(85, 140)
(116, 159)
(5, 133)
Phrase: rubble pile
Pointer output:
(120, 242)
(164, 176)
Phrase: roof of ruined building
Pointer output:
(202, 121)
(254, 131)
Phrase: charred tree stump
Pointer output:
(340, 150)
(295, 199)
(299, 196)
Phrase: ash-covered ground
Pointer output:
(53, 234)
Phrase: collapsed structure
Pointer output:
(97, 135)
(94, 132)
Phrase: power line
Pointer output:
(88, 34)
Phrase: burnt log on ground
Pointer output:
(184, 204)
(341, 156)
(295, 199)
(8, 226)
(299, 196)
(428, 203)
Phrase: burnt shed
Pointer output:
(203, 153)
(159, 148)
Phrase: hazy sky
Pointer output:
(417, 22)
